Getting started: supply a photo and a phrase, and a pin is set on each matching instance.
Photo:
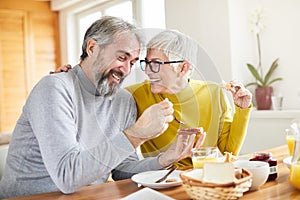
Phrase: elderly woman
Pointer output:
(168, 64)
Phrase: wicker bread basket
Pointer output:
(197, 189)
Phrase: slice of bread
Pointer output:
(219, 173)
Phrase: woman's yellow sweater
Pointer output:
(200, 104)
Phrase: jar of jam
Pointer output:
(267, 157)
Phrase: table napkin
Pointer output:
(147, 193)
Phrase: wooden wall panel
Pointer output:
(28, 51)
(43, 45)
(13, 67)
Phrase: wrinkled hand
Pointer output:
(64, 68)
(154, 121)
(242, 97)
(182, 148)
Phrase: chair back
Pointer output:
(3, 155)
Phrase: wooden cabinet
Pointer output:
(28, 51)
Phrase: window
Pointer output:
(85, 18)
(123, 10)
(153, 14)
(84, 23)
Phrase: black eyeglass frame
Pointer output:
(157, 62)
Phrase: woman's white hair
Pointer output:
(176, 46)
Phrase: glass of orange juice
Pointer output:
(290, 140)
(295, 175)
(203, 155)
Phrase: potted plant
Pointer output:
(263, 90)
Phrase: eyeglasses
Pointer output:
(155, 65)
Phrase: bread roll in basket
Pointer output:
(198, 188)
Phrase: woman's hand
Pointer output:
(64, 68)
(242, 97)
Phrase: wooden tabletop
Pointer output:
(278, 189)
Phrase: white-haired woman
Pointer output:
(168, 64)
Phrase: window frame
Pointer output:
(102, 7)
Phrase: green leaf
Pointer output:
(255, 73)
(274, 80)
(271, 71)
(263, 81)
(252, 83)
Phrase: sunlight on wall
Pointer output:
(123, 10)
(153, 14)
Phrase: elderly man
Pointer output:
(78, 127)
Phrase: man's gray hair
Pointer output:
(104, 30)
(176, 46)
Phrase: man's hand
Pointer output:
(64, 68)
(154, 121)
(182, 148)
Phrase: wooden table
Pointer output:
(278, 189)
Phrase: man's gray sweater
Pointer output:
(68, 137)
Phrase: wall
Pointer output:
(223, 29)
(210, 29)
(267, 129)
(280, 40)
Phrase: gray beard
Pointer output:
(103, 87)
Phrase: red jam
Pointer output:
(267, 157)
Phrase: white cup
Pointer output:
(260, 171)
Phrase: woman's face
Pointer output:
(164, 81)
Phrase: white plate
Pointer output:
(287, 161)
(148, 179)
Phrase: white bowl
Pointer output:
(260, 171)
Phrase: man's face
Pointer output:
(114, 63)
(164, 80)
